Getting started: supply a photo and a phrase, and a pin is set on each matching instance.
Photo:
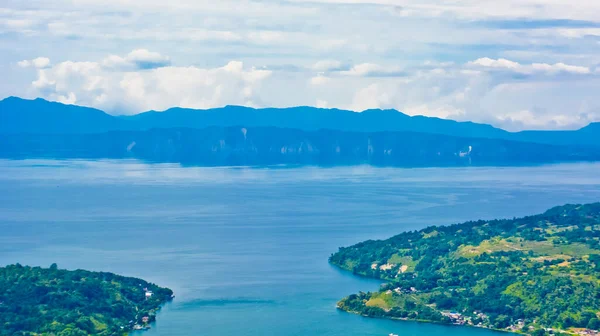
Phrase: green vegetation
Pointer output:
(51, 301)
(526, 275)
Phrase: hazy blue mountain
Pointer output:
(592, 128)
(310, 119)
(40, 116)
(216, 146)
(43, 117)
(587, 135)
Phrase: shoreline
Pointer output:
(424, 321)
(508, 275)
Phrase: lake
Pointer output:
(245, 249)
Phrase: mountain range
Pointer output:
(43, 117)
(235, 135)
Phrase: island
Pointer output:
(52, 301)
(535, 275)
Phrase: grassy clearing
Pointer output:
(397, 259)
(349, 264)
(430, 234)
(540, 248)
(380, 300)
(99, 326)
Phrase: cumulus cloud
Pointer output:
(476, 90)
(558, 67)
(139, 58)
(460, 93)
(24, 63)
(120, 88)
(39, 62)
(495, 63)
(369, 55)
(321, 104)
(372, 96)
(527, 117)
(320, 79)
(373, 70)
(530, 68)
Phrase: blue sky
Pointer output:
(517, 64)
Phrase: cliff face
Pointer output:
(269, 146)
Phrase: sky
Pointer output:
(516, 64)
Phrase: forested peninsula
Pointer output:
(57, 302)
(535, 275)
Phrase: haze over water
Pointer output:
(245, 249)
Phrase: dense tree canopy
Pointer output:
(525, 274)
(52, 301)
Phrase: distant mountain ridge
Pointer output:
(43, 117)
(310, 119)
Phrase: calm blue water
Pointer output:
(246, 249)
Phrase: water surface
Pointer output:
(245, 249)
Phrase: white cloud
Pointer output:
(39, 62)
(266, 37)
(558, 67)
(372, 96)
(19, 24)
(585, 9)
(70, 99)
(364, 69)
(369, 54)
(531, 68)
(440, 111)
(322, 104)
(139, 58)
(147, 59)
(327, 65)
(477, 90)
(493, 63)
(24, 63)
(481, 96)
(478, 9)
(371, 69)
(535, 120)
(125, 90)
(568, 32)
(319, 80)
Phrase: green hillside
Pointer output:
(51, 301)
(526, 275)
